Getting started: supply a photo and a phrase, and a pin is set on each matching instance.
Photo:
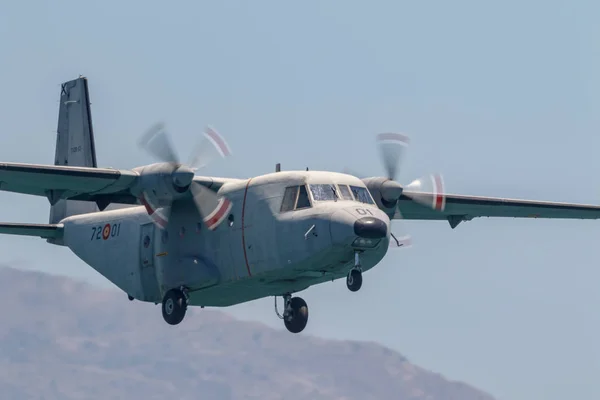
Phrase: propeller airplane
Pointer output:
(163, 234)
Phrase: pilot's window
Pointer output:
(289, 198)
(361, 194)
(323, 192)
(345, 192)
(303, 201)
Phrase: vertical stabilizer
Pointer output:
(74, 142)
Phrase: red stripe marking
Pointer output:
(155, 217)
(219, 141)
(149, 209)
(243, 232)
(439, 196)
(219, 214)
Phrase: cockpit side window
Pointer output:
(361, 194)
(325, 192)
(345, 192)
(303, 201)
(295, 198)
(289, 198)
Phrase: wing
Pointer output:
(62, 182)
(460, 208)
(100, 185)
(46, 231)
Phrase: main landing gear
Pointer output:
(295, 313)
(174, 305)
(354, 278)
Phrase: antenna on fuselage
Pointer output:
(278, 167)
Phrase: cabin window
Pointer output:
(344, 192)
(303, 201)
(362, 194)
(324, 192)
(289, 198)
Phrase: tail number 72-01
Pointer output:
(106, 231)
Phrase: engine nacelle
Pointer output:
(385, 192)
(163, 183)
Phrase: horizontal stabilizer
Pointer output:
(46, 231)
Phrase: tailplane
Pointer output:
(74, 143)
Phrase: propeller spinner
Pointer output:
(213, 208)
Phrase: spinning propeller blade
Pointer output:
(213, 208)
(156, 142)
(392, 147)
(427, 191)
(202, 154)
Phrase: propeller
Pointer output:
(213, 208)
(427, 191)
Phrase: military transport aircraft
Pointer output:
(163, 234)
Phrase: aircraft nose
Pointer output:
(370, 228)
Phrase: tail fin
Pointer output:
(74, 142)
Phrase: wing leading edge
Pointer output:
(460, 208)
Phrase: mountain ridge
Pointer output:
(80, 342)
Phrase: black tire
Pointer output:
(299, 317)
(354, 280)
(174, 307)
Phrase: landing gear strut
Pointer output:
(295, 314)
(174, 305)
(354, 278)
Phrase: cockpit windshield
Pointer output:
(324, 192)
(296, 197)
(361, 194)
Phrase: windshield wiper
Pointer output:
(335, 195)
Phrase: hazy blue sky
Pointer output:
(501, 97)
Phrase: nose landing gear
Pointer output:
(295, 313)
(354, 278)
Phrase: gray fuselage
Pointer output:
(274, 241)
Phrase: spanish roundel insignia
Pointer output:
(106, 231)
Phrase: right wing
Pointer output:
(46, 231)
(460, 208)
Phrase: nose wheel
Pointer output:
(174, 306)
(295, 314)
(354, 278)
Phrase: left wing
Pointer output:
(460, 208)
